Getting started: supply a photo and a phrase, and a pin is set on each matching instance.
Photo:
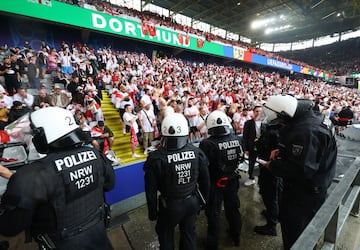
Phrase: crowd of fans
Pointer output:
(340, 58)
(157, 20)
(144, 89)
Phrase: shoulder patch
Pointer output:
(297, 149)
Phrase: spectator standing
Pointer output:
(11, 75)
(131, 120)
(33, 73)
(41, 61)
(201, 122)
(91, 89)
(191, 112)
(239, 119)
(66, 61)
(252, 132)
(148, 123)
(52, 61)
(146, 97)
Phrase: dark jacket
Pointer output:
(17, 113)
(48, 197)
(39, 100)
(249, 135)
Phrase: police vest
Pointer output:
(228, 153)
(78, 202)
(180, 171)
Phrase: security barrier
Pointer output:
(328, 222)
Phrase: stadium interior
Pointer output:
(252, 27)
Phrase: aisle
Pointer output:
(121, 146)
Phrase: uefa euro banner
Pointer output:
(110, 22)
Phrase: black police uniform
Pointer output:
(270, 186)
(224, 154)
(175, 173)
(307, 161)
(60, 196)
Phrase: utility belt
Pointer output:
(72, 231)
(46, 241)
(165, 201)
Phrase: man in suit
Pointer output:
(251, 133)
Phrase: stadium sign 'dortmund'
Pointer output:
(117, 24)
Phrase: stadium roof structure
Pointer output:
(289, 20)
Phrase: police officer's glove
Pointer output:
(153, 216)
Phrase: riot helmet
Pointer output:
(54, 128)
(175, 131)
(218, 123)
(280, 106)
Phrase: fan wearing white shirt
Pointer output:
(148, 122)
(192, 112)
(24, 97)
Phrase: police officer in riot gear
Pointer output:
(175, 169)
(59, 199)
(270, 186)
(224, 153)
(306, 161)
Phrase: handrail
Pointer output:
(331, 217)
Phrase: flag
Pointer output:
(144, 29)
(187, 39)
(199, 43)
(133, 138)
(207, 37)
(111, 12)
(152, 30)
(181, 39)
(96, 131)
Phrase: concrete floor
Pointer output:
(141, 233)
(138, 233)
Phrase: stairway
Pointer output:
(121, 146)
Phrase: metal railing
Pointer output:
(328, 222)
